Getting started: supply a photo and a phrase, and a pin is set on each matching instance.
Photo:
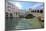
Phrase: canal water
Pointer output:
(21, 23)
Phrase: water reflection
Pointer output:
(21, 23)
(11, 22)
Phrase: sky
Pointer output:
(27, 5)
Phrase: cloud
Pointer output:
(18, 5)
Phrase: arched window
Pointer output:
(35, 10)
(38, 11)
(6, 12)
(41, 11)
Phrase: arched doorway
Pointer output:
(37, 11)
(11, 15)
(41, 11)
(6, 14)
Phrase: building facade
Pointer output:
(11, 10)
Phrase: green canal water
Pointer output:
(22, 23)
